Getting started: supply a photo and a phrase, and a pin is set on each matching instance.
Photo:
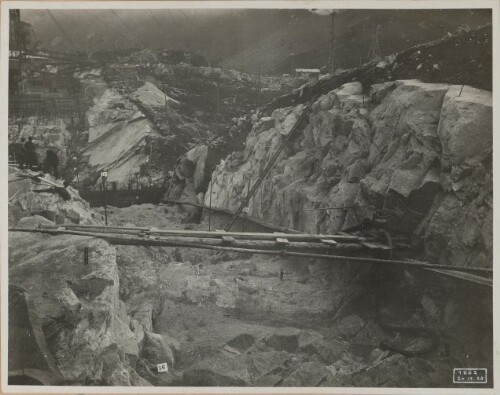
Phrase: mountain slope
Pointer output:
(245, 39)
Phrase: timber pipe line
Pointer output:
(271, 163)
(279, 244)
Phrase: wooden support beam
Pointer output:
(375, 246)
(282, 241)
(228, 240)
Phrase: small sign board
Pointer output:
(470, 376)
(104, 174)
(246, 210)
(162, 367)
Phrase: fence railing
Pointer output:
(123, 197)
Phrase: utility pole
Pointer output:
(77, 178)
(218, 97)
(210, 201)
(18, 42)
(333, 61)
(258, 86)
(150, 152)
(150, 162)
(374, 52)
(75, 169)
(165, 104)
(104, 176)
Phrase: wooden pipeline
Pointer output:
(164, 242)
(209, 234)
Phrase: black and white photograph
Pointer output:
(224, 194)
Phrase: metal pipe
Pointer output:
(210, 201)
(329, 208)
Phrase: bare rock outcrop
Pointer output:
(76, 302)
(73, 285)
(117, 137)
(407, 156)
(189, 181)
(51, 206)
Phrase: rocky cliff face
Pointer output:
(416, 154)
(136, 131)
(116, 139)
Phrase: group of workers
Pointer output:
(24, 154)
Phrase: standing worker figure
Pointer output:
(12, 151)
(31, 153)
(51, 163)
(20, 153)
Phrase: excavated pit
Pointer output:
(230, 313)
(220, 318)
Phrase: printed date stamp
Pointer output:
(470, 376)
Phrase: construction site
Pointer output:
(263, 198)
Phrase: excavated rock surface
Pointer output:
(188, 105)
(230, 319)
(77, 303)
(93, 336)
(117, 139)
(188, 182)
(150, 95)
(407, 155)
(225, 319)
(28, 202)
